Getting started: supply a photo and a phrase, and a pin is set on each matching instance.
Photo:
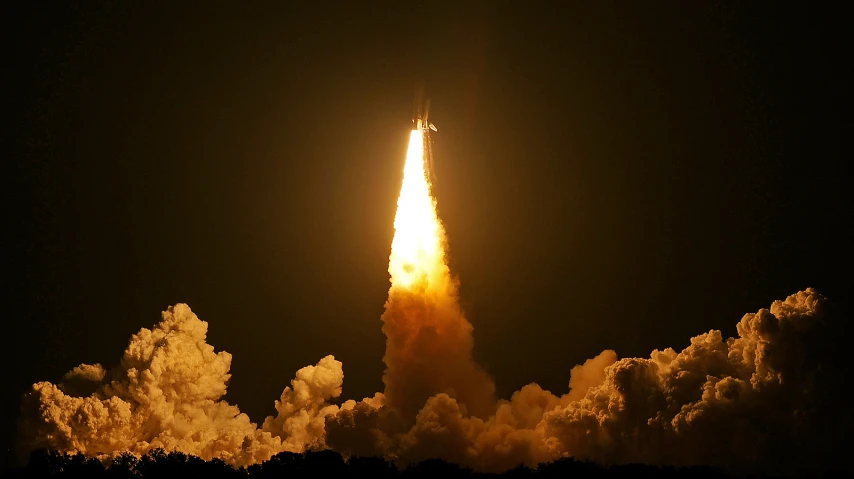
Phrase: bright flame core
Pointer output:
(417, 260)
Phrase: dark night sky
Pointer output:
(610, 177)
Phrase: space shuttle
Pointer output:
(421, 121)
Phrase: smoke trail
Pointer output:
(756, 400)
(429, 341)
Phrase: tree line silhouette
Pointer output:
(159, 463)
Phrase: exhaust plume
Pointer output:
(758, 400)
(429, 342)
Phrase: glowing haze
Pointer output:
(759, 399)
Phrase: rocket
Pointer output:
(420, 121)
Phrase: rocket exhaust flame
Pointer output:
(417, 252)
(429, 347)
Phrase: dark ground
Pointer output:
(330, 464)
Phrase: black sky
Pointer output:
(610, 176)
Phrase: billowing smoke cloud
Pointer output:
(165, 393)
(429, 350)
(748, 400)
(739, 402)
(302, 408)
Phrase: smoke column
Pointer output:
(766, 399)
(429, 341)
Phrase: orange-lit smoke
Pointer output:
(429, 346)
(760, 399)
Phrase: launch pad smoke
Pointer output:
(715, 402)
(752, 399)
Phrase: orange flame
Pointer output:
(429, 341)
(417, 258)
